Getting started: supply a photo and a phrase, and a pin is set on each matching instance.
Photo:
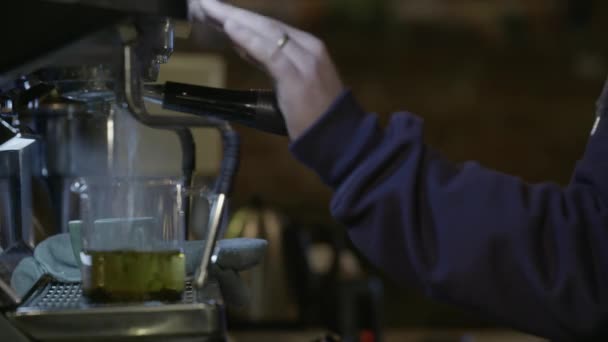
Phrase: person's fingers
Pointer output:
(301, 47)
(259, 23)
(278, 43)
(212, 9)
(309, 42)
(195, 10)
(263, 50)
(197, 13)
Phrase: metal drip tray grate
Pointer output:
(58, 296)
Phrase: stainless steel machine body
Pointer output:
(57, 122)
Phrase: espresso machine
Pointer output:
(70, 70)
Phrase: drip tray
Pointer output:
(58, 312)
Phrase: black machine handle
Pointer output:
(230, 162)
(253, 108)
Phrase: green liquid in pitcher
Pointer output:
(133, 276)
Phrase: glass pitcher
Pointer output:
(132, 237)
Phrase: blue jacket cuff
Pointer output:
(322, 144)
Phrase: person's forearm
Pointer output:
(529, 255)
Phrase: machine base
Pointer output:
(58, 312)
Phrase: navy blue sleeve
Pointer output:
(531, 256)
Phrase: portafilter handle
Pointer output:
(253, 108)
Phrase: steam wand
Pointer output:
(230, 140)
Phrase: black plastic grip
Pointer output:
(253, 108)
(230, 163)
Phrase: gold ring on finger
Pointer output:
(283, 41)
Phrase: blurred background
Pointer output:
(510, 83)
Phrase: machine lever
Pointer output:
(253, 108)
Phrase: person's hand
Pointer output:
(306, 79)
